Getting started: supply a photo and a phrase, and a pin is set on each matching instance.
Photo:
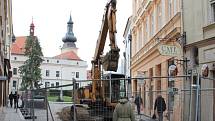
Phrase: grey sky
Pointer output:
(51, 17)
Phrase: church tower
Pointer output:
(32, 29)
(69, 39)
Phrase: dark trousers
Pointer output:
(15, 104)
(160, 116)
(138, 109)
(11, 103)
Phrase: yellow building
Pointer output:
(6, 36)
(156, 30)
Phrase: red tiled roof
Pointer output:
(70, 55)
(19, 45)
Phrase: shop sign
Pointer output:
(169, 50)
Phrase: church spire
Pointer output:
(69, 37)
(32, 28)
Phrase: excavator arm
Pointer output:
(109, 62)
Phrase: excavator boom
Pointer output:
(109, 62)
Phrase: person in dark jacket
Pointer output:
(11, 99)
(123, 111)
(160, 105)
(138, 101)
(16, 98)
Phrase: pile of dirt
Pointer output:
(66, 114)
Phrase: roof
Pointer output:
(19, 45)
(70, 55)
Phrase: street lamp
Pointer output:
(61, 68)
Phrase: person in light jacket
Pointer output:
(123, 111)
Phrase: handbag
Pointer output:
(154, 116)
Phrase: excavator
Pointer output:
(104, 92)
(106, 89)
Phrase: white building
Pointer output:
(58, 70)
(127, 55)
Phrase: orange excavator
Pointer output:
(105, 92)
(109, 62)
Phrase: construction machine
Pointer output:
(109, 62)
(105, 92)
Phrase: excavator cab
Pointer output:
(114, 88)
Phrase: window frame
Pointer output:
(57, 74)
(77, 75)
(47, 73)
(15, 71)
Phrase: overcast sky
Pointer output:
(51, 16)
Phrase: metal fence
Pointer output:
(185, 101)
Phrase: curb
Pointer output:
(20, 115)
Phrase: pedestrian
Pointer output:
(123, 111)
(138, 101)
(11, 99)
(15, 98)
(131, 100)
(160, 105)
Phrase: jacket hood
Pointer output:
(123, 101)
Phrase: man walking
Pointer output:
(160, 105)
(138, 101)
(11, 99)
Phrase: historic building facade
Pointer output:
(127, 55)
(58, 70)
(199, 26)
(156, 44)
(6, 36)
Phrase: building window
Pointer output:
(57, 73)
(159, 19)
(73, 74)
(77, 75)
(57, 61)
(14, 83)
(47, 72)
(57, 83)
(47, 84)
(152, 25)
(213, 10)
(169, 9)
(52, 85)
(15, 58)
(14, 71)
(140, 38)
(47, 61)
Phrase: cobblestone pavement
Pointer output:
(10, 114)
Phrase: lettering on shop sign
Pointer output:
(169, 50)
